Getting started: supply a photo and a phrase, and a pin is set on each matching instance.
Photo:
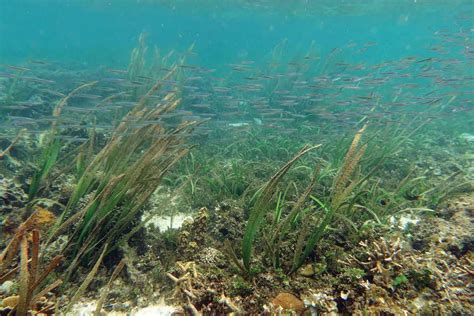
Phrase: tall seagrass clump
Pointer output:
(342, 189)
(121, 178)
(313, 225)
(262, 206)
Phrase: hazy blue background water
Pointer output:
(104, 32)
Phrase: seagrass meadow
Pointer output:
(234, 157)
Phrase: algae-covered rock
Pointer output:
(320, 302)
(307, 270)
(11, 194)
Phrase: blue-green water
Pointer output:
(103, 33)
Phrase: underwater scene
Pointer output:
(236, 157)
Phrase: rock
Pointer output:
(158, 310)
(307, 270)
(12, 195)
(345, 295)
(405, 221)
(320, 303)
(6, 288)
(10, 301)
(467, 137)
(83, 308)
(212, 257)
(288, 301)
(164, 223)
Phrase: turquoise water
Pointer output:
(104, 32)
